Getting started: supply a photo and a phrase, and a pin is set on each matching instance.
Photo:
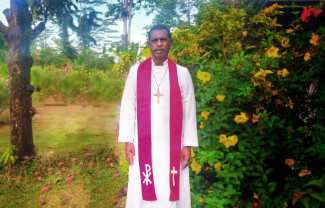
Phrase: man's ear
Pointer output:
(148, 42)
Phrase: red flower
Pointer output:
(305, 16)
(317, 12)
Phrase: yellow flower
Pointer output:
(205, 115)
(256, 196)
(196, 167)
(255, 118)
(245, 33)
(272, 52)
(284, 72)
(222, 138)
(220, 98)
(285, 42)
(201, 200)
(289, 30)
(269, 10)
(217, 166)
(192, 153)
(307, 56)
(262, 73)
(242, 118)
(289, 161)
(203, 76)
(202, 125)
(228, 141)
(304, 172)
(314, 40)
(233, 140)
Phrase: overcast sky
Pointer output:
(139, 21)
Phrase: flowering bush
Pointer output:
(260, 99)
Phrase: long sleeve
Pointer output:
(127, 123)
(189, 109)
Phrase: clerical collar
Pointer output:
(165, 64)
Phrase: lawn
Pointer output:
(73, 142)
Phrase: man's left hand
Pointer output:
(186, 156)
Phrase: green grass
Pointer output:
(77, 135)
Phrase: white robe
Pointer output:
(160, 136)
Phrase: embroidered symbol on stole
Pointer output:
(147, 174)
(174, 172)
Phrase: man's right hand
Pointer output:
(129, 152)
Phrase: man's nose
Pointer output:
(159, 42)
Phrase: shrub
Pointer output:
(260, 99)
(93, 84)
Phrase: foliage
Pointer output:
(49, 56)
(260, 99)
(126, 58)
(3, 48)
(93, 85)
(90, 59)
(4, 94)
(7, 158)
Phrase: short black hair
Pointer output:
(159, 27)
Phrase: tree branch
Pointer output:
(38, 29)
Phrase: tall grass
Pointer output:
(68, 86)
(93, 85)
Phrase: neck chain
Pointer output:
(158, 94)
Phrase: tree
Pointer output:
(64, 19)
(174, 13)
(19, 34)
(124, 10)
(167, 13)
(90, 20)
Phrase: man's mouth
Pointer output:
(160, 50)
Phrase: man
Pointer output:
(158, 125)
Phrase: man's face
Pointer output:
(159, 45)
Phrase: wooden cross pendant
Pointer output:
(158, 94)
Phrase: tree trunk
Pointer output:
(130, 21)
(125, 19)
(19, 62)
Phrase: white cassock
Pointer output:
(128, 132)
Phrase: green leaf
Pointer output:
(6, 159)
(272, 186)
(317, 196)
(315, 183)
(305, 201)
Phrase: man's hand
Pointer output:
(186, 156)
(129, 152)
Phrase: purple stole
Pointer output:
(144, 130)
